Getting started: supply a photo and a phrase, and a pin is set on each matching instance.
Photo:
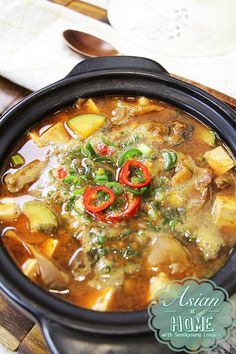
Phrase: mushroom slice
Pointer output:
(167, 251)
(52, 276)
(30, 268)
(24, 176)
(157, 283)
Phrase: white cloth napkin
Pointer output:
(33, 54)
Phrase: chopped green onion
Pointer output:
(104, 160)
(71, 203)
(172, 225)
(201, 158)
(212, 138)
(17, 160)
(162, 181)
(75, 152)
(116, 187)
(100, 179)
(136, 179)
(170, 158)
(209, 137)
(100, 171)
(101, 239)
(79, 205)
(102, 251)
(130, 252)
(107, 269)
(152, 213)
(159, 196)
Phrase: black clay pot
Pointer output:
(70, 329)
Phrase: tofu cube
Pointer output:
(100, 299)
(92, 107)
(30, 267)
(219, 160)
(49, 246)
(157, 283)
(174, 200)
(209, 241)
(181, 176)
(56, 134)
(224, 211)
(9, 211)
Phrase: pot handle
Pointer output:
(116, 63)
(227, 277)
(62, 340)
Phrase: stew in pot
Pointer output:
(104, 202)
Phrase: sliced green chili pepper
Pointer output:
(145, 149)
(100, 179)
(78, 191)
(85, 152)
(72, 180)
(106, 142)
(137, 191)
(89, 151)
(131, 154)
(116, 187)
(169, 158)
(104, 160)
(17, 160)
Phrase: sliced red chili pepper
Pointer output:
(126, 171)
(130, 210)
(61, 173)
(104, 150)
(91, 195)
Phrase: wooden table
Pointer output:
(17, 332)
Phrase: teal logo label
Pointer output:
(191, 315)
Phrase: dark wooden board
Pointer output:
(14, 326)
(33, 343)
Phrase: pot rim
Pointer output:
(42, 304)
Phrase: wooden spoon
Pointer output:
(88, 45)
